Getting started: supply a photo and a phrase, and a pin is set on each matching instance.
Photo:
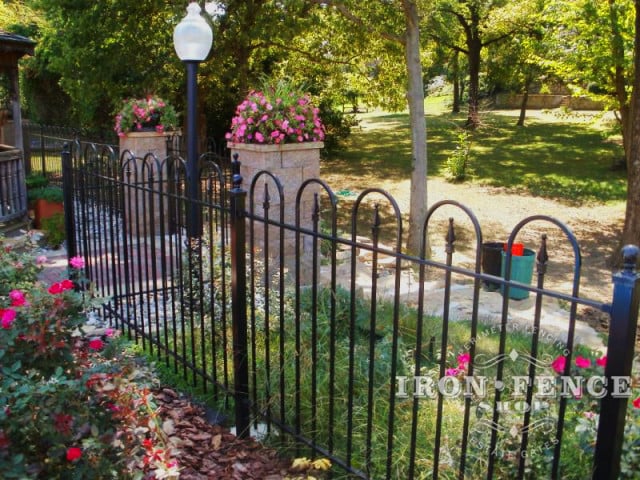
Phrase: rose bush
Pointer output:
(70, 406)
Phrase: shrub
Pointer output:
(457, 164)
(54, 231)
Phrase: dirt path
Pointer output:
(596, 227)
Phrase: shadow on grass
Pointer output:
(567, 161)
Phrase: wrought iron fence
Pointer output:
(330, 338)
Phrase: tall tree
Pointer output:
(631, 233)
(399, 24)
(481, 23)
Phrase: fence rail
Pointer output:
(354, 350)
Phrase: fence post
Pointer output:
(620, 352)
(239, 302)
(67, 189)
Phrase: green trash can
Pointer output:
(521, 271)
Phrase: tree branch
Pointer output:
(352, 17)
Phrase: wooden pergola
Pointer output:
(12, 48)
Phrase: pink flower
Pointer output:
(109, 332)
(464, 358)
(602, 361)
(77, 262)
(17, 298)
(559, 364)
(7, 317)
(96, 344)
(451, 372)
(41, 260)
(582, 362)
(636, 403)
(74, 453)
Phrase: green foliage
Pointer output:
(17, 268)
(36, 180)
(337, 126)
(49, 193)
(54, 231)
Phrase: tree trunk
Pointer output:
(620, 82)
(415, 97)
(475, 46)
(457, 94)
(631, 233)
(523, 105)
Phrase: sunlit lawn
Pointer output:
(569, 157)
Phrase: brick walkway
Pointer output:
(55, 269)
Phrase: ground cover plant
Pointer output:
(70, 406)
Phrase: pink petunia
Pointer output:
(559, 364)
(41, 260)
(602, 361)
(582, 362)
(451, 372)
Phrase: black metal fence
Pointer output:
(343, 345)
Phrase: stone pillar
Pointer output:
(292, 164)
(143, 210)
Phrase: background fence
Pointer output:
(336, 353)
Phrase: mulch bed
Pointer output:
(212, 452)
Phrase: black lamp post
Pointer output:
(192, 39)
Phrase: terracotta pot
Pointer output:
(45, 209)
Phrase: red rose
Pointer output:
(73, 453)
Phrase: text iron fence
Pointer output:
(342, 345)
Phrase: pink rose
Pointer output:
(77, 262)
(582, 362)
(559, 364)
(17, 298)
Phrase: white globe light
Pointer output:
(192, 37)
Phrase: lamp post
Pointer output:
(192, 39)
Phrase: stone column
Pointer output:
(292, 164)
(142, 208)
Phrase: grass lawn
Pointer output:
(560, 155)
